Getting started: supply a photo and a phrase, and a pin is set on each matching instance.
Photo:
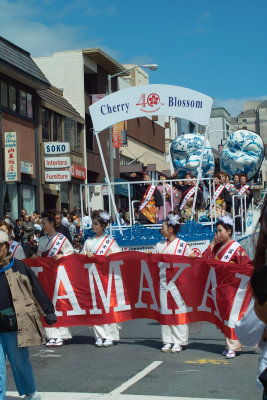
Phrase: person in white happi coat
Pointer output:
(173, 336)
(102, 244)
(15, 248)
(54, 244)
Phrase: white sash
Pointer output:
(168, 188)
(105, 245)
(180, 248)
(13, 247)
(56, 245)
(228, 186)
(228, 254)
(217, 193)
(149, 194)
(242, 190)
(187, 197)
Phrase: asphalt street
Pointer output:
(137, 369)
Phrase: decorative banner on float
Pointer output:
(123, 286)
(11, 163)
(140, 101)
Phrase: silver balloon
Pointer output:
(185, 153)
(242, 153)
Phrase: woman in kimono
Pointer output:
(173, 336)
(225, 249)
(54, 244)
(102, 244)
(171, 196)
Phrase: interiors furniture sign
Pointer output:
(57, 176)
(140, 101)
(11, 162)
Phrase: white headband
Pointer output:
(227, 220)
(105, 216)
(173, 219)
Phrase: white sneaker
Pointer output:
(166, 348)
(176, 348)
(33, 396)
(50, 343)
(108, 343)
(224, 352)
(99, 342)
(230, 354)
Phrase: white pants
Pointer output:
(107, 331)
(174, 334)
(233, 345)
(57, 333)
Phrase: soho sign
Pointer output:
(56, 148)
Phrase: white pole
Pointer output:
(199, 175)
(108, 182)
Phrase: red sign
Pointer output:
(123, 286)
(78, 172)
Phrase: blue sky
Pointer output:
(215, 47)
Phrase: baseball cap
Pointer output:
(3, 237)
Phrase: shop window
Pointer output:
(45, 124)
(76, 195)
(28, 198)
(10, 199)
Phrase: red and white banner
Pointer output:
(169, 289)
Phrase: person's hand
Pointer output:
(133, 175)
(90, 254)
(148, 252)
(57, 257)
(50, 318)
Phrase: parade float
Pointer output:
(243, 152)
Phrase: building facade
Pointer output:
(20, 79)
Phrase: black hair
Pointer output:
(258, 283)
(49, 216)
(225, 225)
(96, 215)
(177, 226)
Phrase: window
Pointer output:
(244, 120)
(70, 130)
(89, 133)
(23, 102)
(56, 127)
(8, 96)
(4, 94)
(45, 124)
(78, 140)
(12, 101)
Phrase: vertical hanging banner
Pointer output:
(119, 134)
(11, 162)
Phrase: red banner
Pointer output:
(169, 289)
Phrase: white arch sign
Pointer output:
(141, 101)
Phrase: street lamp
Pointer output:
(151, 67)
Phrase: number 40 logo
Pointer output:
(152, 100)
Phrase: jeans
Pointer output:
(19, 362)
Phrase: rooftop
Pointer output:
(17, 63)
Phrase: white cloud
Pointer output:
(234, 105)
(22, 22)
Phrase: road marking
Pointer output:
(207, 361)
(45, 353)
(103, 396)
(135, 378)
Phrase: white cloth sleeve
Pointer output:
(249, 329)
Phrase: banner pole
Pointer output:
(108, 182)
